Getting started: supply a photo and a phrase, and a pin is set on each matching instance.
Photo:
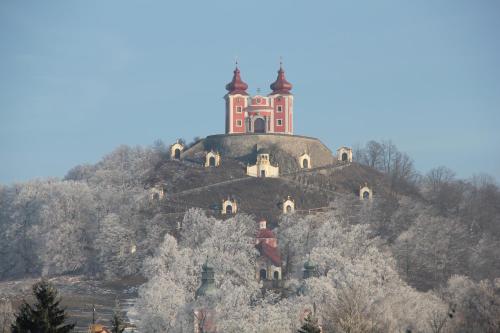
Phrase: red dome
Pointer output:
(237, 86)
(281, 85)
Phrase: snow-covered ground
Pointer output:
(79, 296)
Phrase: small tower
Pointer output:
(175, 150)
(344, 154)
(288, 206)
(212, 159)
(207, 287)
(365, 193)
(204, 318)
(229, 206)
(309, 269)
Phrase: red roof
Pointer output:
(272, 253)
(237, 86)
(265, 233)
(281, 85)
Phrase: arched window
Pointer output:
(177, 154)
(263, 274)
(229, 209)
(366, 195)
(305, 163)
(344, 157)
(276, 275)
(211, 161)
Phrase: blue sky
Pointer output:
(79, 78)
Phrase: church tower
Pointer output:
(282, 102)
(259, 114)
(236, 103)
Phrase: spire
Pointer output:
(207, 287)
(281, 85)
(237, 86)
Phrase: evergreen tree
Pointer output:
(310, 325)
(45, 316)
(117, 322)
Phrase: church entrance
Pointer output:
(263, 173)
(366, 195)
(263, 274)
(259, 126)
(344, 157)
(229, 209)
(211, 161)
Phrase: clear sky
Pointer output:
(79, 78)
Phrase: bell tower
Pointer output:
(282, 102)
(236, 102)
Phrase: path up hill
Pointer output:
(188, 183)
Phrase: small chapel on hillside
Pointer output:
(259, 114)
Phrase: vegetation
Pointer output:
(428, 242)
(310, 325)
(45, 316)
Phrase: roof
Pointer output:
(98, 328)
(270, 252)
(265, 233)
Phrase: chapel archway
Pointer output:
(263, 274)
(344, 157)
(259, 126)
(305, 163)
(177, 154)
(229, 209)
(211, 161)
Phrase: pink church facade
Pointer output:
(259, 114)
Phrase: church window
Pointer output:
(257, 100)
(279, 122)
(276, 275)
(280, 108)
(238, 109)
(238, 123)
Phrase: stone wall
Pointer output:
(285, 150)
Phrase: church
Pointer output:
(259, 114)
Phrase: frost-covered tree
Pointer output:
(116, 248)
(6, 315)
(167, 300)
(474, 306)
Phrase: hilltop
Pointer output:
(187, 182)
